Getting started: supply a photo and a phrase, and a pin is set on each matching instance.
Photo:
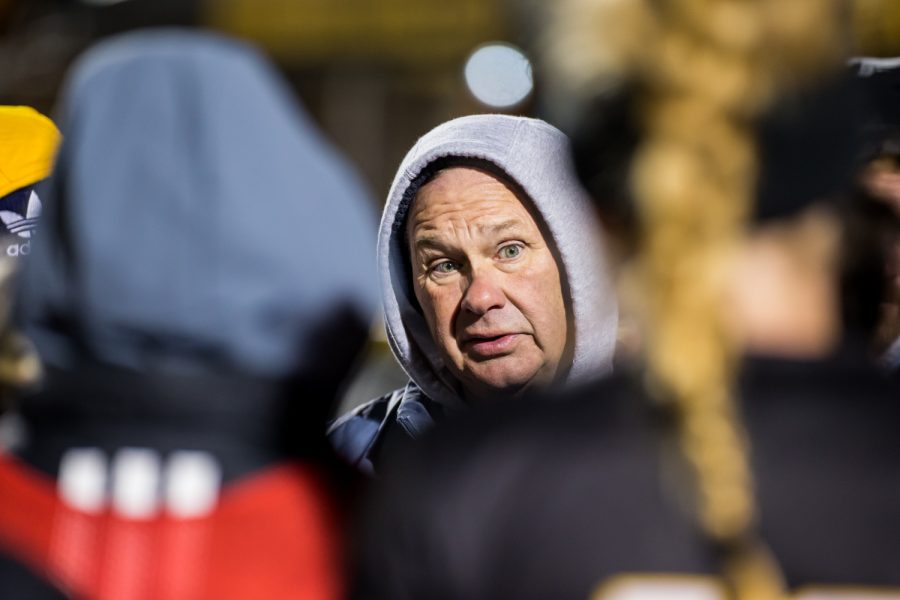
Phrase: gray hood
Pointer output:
(196, 219)
(536, 155)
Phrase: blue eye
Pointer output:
(444, 267)
(510, 251)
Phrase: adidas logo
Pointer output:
(23, 225)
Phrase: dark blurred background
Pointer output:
(375, 74)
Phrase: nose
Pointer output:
(483, 293)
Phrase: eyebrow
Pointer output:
(503, 226)
(430, 241)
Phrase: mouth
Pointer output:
(491, 346)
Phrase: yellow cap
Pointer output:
(28, 142)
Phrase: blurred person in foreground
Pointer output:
(196, 295)
(28, 142)
(493, 279)
(881, 180)
(643, 485)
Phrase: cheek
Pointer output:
(439, 303)
(543, 304)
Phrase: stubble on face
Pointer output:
(488, 284)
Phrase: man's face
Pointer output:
(487, 282)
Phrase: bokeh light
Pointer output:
(499, 75)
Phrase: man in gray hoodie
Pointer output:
(492, 274)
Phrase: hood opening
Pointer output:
(530, 155)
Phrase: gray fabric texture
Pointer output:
(891, 357)
(536, 155)
(196, 217)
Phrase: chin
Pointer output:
(504, 384)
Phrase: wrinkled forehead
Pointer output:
(468, 198)
(466, 189)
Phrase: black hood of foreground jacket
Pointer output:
(196, 221)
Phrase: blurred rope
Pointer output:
(876, 27)
(701, 73)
